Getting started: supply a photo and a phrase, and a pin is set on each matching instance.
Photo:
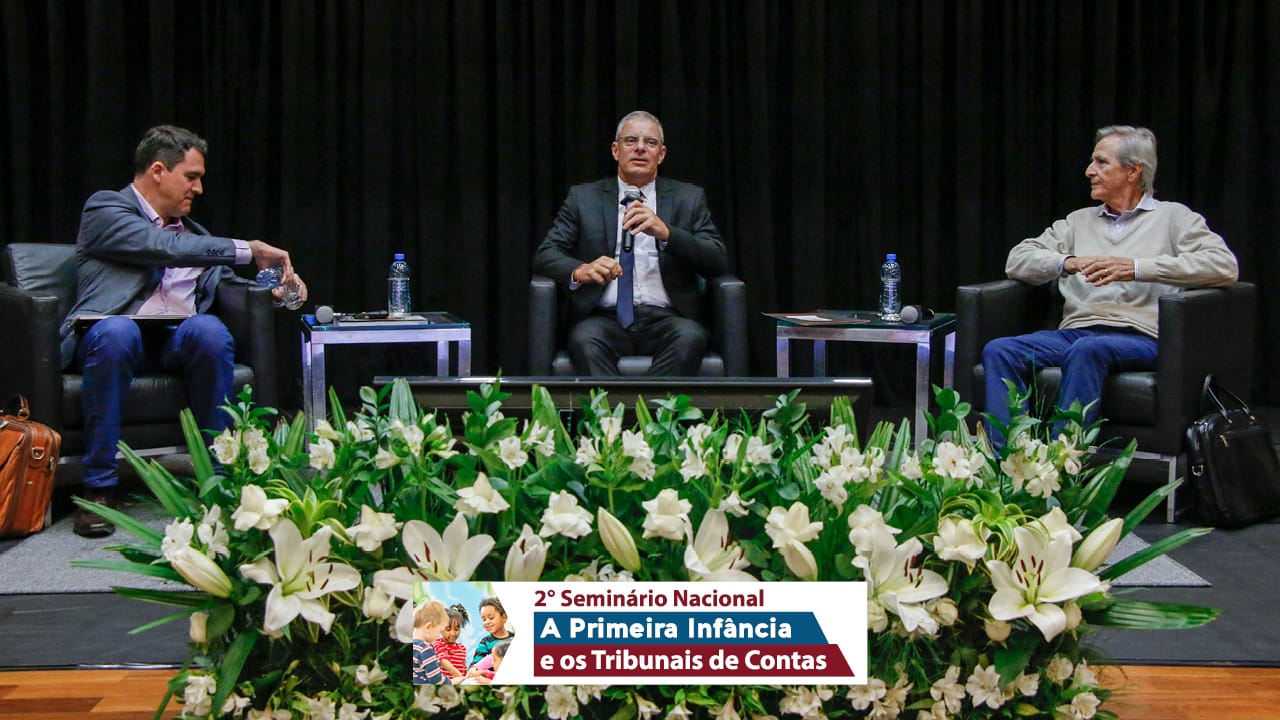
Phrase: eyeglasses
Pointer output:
(650, 142)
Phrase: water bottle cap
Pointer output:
(891, 257)
(399, 256)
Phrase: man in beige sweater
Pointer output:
(1112, 262)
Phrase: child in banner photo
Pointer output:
(453, 654)
(494, 621)
(482, 673)
(428, 620)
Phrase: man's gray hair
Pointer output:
(639, 115)
(1137, 145)
(168, 144)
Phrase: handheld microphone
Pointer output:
(628, 197)
(911, 314)
(324, 315)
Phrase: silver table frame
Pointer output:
(446, 331)
(922, 336)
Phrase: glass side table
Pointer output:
(444, 329)
(823, 326)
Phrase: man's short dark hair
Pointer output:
(168, 144)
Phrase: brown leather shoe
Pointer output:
(90, 524)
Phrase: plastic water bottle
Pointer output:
(271, 278)
(890, 277)
(398, 302)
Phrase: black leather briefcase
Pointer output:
(1232, 464)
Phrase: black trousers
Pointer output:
(676, 343)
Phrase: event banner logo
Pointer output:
(684, 633)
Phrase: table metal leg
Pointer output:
(784, 357)
(949, 362)
(819, 358)
(464, 358)
(314, 386)
(442, 358)
(922, 390)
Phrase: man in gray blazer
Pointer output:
(137, 253)
(630, 250)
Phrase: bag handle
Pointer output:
(20, 402)
(1210, 385)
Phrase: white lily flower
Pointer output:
(1040, 577)
(561, 703)
(1059, 669)
(1055, 523)
(377, 604)
(373, 529)
(512, 453)
(370, 676)
(351, 711)
(790, 529)
(256, 511)
(321, 454)
(587, 454)
(727, 711)
(326, 431)
(958, 541)
(911, 467)
(563, 516)
(711, 556)
(646, 708)
(526, 557)
(734, 505)
(901, 588)
(984, 687)
(1083, 707)
(384, 459)
(321, 708)
(226, 446)
(693, 466)
(617, 540)
(480, 498)
(212, 533)
(667, 515)
(610, 427)
(360, 430)
(759, 452)
(1098, 546)
(732, 444)
(255, 443)
(452, 556)
(635, 446)
(197, 696)
(299, 577)
(868, 529)
(948, 690)
(177, 535)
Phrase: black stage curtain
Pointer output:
(826, 134)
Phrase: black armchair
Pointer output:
(725, 318)
(39, 289)
(1201, 331)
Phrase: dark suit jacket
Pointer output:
(587, 227)
(120, 257)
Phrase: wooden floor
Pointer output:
(1142, 693)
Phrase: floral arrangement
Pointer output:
(303, 550)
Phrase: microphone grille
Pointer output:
(324, 314)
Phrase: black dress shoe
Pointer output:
(91, 524)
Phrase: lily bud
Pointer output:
(618, 540)
(198, 622)
(204, 574)
(1074, 616)
(997, 630)
(1098, 546)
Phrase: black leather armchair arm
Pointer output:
(729, 323)
(31, 361)
(247, 312)
(990, 310)
(542, 324)
(1202, 331)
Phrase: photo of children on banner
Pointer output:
(482, 672)
(429, 619)
(493, 618)
(453, 654)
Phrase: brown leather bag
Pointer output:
(28, 460)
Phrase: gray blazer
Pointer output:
(120, 257)
(587, 227)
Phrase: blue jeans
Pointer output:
(115, 350)
(1086, 356)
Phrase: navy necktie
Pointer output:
(627, 283)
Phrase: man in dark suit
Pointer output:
(138, 254)
(630, 249)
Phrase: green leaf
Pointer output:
(1152, 551)
(165, 597)
(1012, 658)
(159, 622)
(232, 664)
(200, 460)
(1151, 502)
(159, 571)
(1141, 615)
(138, 529)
